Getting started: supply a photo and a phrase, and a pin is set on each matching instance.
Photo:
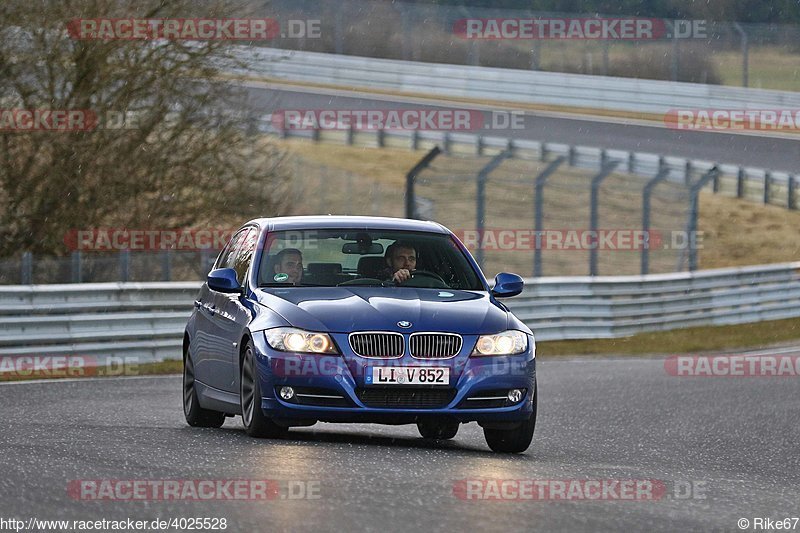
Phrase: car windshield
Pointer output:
(353, 257)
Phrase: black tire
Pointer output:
(255, 423)
(438, 429)
(515, 440)
(195, 415)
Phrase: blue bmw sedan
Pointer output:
(358, 319)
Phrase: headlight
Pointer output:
(509, 342)
(297, 340)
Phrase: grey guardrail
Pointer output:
(146, 320)
(499, 84)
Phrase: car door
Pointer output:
(212, 356)
(232, 314)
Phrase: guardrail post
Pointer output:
(26, 268)
(790, 193)
(315, 135)
(607, 169)
(687, 172)
(542, 151)
(411, 177)
(538, 212)
(691, 227)
(478, 145)
(124, 265)
(571, 156)
(77, 275)
(381, 138)
(660, 176)
(715, 183)
(767, 184)
(480, 204)
(350, 135)
(631, 162)
(414, 139)
(446, 143)
(740, 183)
(166, 265)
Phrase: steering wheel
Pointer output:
(432, 276)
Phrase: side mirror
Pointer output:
(506, 285)
(223, 280)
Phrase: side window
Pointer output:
(244, 253)
(226, 258)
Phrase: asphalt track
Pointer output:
(734, 440)
(772, 152)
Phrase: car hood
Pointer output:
(346, 309)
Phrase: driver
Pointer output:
(401, 261)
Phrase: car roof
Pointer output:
(348, 222)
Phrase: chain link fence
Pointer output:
(578, 222)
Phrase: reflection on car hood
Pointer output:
(346, 309)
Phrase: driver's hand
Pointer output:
(401, 275)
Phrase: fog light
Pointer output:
(287, 393)
(514, 395)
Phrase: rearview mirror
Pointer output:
(507, 285)
(223, 280)
(359, 248)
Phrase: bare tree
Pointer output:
(186, 161)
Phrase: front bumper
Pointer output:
(327, 378)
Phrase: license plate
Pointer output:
(408, 375)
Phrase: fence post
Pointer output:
(381, 138)
(446, 143)
(166, 265)
(538, 212)
(204, 255)
(767, 184)
(480, 204)
(607, 169)
(660, 176)
(411, 177)
(571, 156)
(740, 183)
(77, 275)
(124, 265)
(350, 135)
(693, 213)
(790, 193)
(26, 268)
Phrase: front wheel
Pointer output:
(255, 423)
(195, 415)
(515, 440)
